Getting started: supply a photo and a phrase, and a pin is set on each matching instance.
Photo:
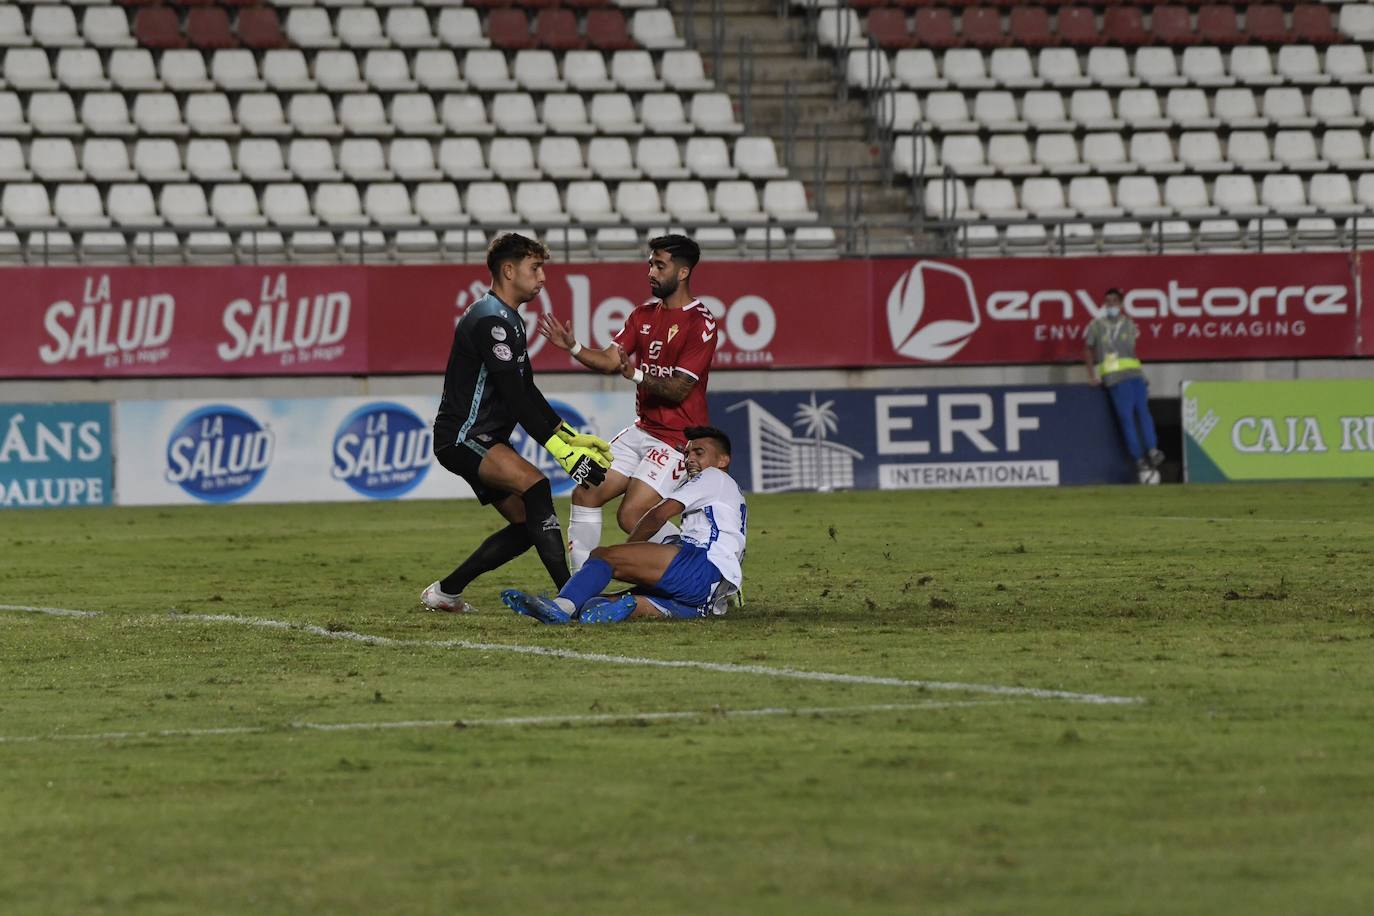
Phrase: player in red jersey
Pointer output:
(665, 348)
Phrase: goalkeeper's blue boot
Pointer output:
(540, 608)
(607, 610)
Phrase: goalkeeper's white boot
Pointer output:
(434, 598)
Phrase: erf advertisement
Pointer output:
(1278, 430)
(922, 439)
(55, 455)
(308, 450)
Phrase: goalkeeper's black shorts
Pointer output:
(464, 458)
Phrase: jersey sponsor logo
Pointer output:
(219, 453)
(498, 332)
(382, 450)
(656, 348)
(501, 352)
(656, 371)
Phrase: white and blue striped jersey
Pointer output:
(714, 517)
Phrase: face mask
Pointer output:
(1113, 311)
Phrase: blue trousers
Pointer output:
(1131, 402)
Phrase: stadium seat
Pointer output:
(1300, 65)
(362, 114)
(560, 158)
(1312, 25)
(1076, 26)
(236, 70)
(1110, 68)
(933, 28)
(208, 28)
(538, 202)
(1200, 151)
(916, 68)
(688, 202)
(436, 70)
(132, 204)
(388, 204)
(589, 202)
(1216, 25)
(888, 29)
(1059, 67)
(1140, 109)
(1346, 150)
(709, 158)
(995, 110)
(660, 159)
(1058, 154)
(1187, 196)
(461, 159)
(1332, 193)
(14, 33)
(312, 114)
(437, 203)
(1285, 193)
(738, 202)
(259, 28)
(509, 29)
(1285, 107)
(514, 113)
(408, 28)
(1264, 24)
(207, 113)
(54, 26)
(1252, 65)
(868, 69)
(1029, 27)
(1092, 109)
(785, 201)
(1043, 110)
(307, 28)
(1205, 67)
(606, 30)
(487, 71)
(209, 160)
(459, 27)
(12, 164)
(53, 159)
(757, 158)
(106, 160)
(184, 205)
(12, 121)
(132, 70)
(1187, 109)
(338, 205)
(609, 158)
(948, 111)
(260, 113)
(1140, 197)
(157, 27)
(1125, 26)
(287, 206)
(639, 202)
(1044, 198)
(1012, 68)
(536, 70)
(654, 29)
(1154, 153)
(556, 29)
(915, 154)
(898, 111)
(964, 155)
(1091, 195)
(286, 70)
(1248, 151)
(1296, 151)
(78, 206)
(634, 71)
(411, 159)
(360, 27)
(1237, 109)
(362, 159)
(489, 203)
(336, 71)
(1157, 68)
(948, 198)
(27, 69)
(235, 205)
(1333, 106)
(566, 113)
(1237, 195)
(585, 71)
(387, 71)
(158, 160)
(54, 113)
(1010, 154)
(413, 113)
(26, 205)
(981, 27)
(184, 71)
(966, 69)
(663, 113)
(1105, 153)
(512, 159)
(614, 113)
(465, 115)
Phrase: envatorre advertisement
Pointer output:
(1306, 429)
(280, 450)
(938, 438)
(55, 455)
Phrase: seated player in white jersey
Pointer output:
(672, 338)
(693, 575)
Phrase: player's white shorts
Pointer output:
(641, 456)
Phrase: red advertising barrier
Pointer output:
(1366, 272)
(314, 320)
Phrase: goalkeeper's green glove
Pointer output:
(584, 440)
(586, 466)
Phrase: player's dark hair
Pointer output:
(680, 248)
(1114, 291)
(709, 432)
(512, 246)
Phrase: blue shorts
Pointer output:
(687, 586)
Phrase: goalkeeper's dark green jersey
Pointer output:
(489, 383)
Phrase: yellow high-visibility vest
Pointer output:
(1114, 363)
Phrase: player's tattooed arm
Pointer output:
(675, 388)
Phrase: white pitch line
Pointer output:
(1039, 693)
(51, 611)
(507, 722)
(1250, 520)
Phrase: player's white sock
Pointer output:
(667, 531)
(584, 534)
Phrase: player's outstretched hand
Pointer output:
(627, 368)
(584, 440)
(586, 466)
(559, 334)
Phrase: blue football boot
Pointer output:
(540, 608)
(607, 610)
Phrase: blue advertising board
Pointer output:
(55, 455)
(914, 438)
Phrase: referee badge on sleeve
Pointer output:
(501, 352)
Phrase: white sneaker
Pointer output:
(433, 597)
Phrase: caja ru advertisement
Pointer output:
(1314, 428)
(921, 438)
(310, 449)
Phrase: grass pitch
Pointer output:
(154, 761)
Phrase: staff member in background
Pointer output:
(1109, 350)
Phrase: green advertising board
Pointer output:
(1278, 430)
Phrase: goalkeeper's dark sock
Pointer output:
(497, 550)
(590, 581)
(545, 533)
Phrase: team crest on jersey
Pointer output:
(498, 332)
(671, 332)
(644, 329)
(501, 352)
